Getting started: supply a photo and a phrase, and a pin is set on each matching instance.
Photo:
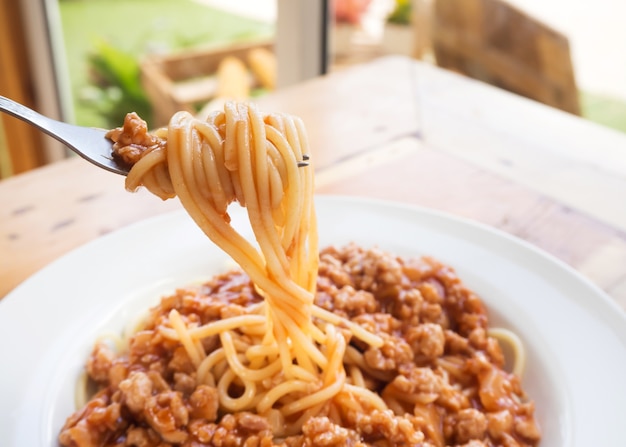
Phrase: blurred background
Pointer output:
(90, 61)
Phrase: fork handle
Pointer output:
(24, 113)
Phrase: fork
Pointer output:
(88, 142)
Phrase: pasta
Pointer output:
(239, 155)
(287, 351)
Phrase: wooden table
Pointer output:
(392, 129)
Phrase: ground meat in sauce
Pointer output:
(436, 355)
(133, 139)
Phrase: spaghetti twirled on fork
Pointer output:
(241, 155)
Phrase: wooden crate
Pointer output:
(493, 41)
(185, 80)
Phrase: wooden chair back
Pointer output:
(495, 42)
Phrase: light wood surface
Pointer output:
(394, 129)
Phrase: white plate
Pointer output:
(575, 335)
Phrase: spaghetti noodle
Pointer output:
(241, 155)
(294, 339)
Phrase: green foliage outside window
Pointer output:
(401, 14)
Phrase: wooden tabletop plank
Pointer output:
(502, 112)
(354, 110)
(462, 189)
(569, 159)
(43, 216)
